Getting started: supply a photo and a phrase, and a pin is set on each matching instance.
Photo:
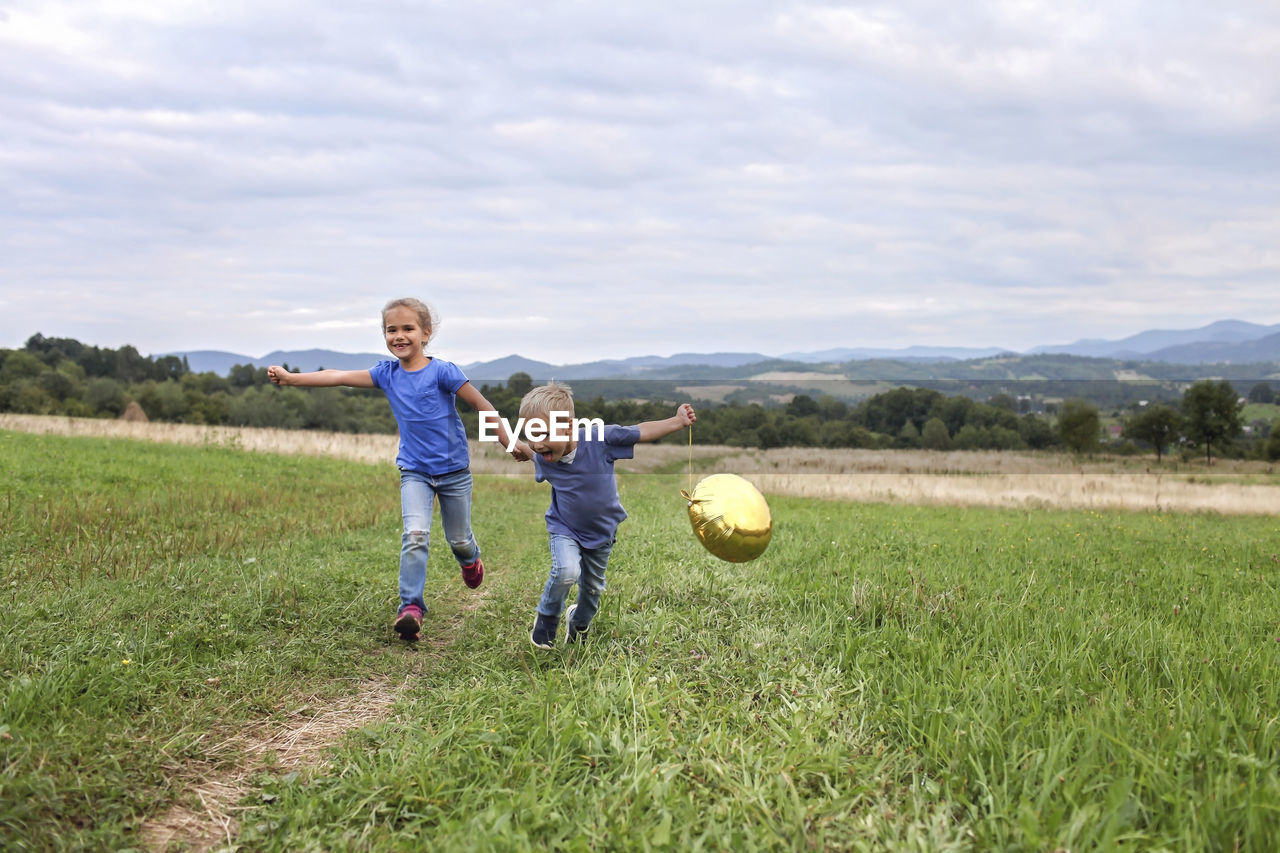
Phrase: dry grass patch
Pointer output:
(989, 478)
(807, 460)
(981, 478)
(711, 393)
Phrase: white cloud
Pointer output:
(575, 182)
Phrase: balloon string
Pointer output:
(690, 458)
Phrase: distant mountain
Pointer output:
(912, 353)
(1231, 341)
(317, 359)
(499, 369)
(211, 361)
(220, 362)
(1147, 344)
(639, 366)
(1212, 352)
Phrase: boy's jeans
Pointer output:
(570, 564)
(417, 492)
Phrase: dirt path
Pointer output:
(214, 785)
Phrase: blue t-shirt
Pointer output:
(584, 494)
(432, 438)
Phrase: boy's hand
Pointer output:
(278, 375)
(521, 452)
(654, 430)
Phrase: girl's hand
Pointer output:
(686, 415)
(278, 375)
(521, 452)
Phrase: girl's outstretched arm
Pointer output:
(470, 395)
(321, 378)
(654, 430)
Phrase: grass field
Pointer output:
(195, 652)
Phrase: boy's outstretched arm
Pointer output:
(321, 378)
(654, 430)
(470, 395)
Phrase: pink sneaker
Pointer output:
(473, 575)
(408, 622)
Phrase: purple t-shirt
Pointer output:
(584, 494)
(432, 438)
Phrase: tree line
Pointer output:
(63, 376)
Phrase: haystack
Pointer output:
(133, 412)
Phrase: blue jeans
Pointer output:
(572, 564)
(417, 494)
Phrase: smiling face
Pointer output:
(405, 336)
(550, 446)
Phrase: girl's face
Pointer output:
(405, 335)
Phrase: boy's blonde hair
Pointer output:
(426, 317)
(545, 399)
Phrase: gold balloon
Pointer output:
(730, 517)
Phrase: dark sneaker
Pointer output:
(543, 634)
(408, 622)
(473, 575)
(572, 631)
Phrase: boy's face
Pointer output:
(550, 446)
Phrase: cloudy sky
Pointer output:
(581, 180)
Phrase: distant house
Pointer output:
(1115, 430)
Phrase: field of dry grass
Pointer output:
(486, 457)
(909, 477)
(1005, 479)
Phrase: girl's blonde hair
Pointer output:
(426, 317)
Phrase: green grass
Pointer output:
(1266, 412)
(883, 676)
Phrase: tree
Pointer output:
(1158, 426)
(1003, 401)
(970, 437)
(908, 436)
(1213, 415)
(1078, 425)
(104, 394)
(831, 409)
(801, 406)
(1262, 393)
(21, 365)
(935, 436)
(768, 436)
(1036, 432)
(519, 384)
(241, 375)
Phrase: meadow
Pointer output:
(196, 653)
